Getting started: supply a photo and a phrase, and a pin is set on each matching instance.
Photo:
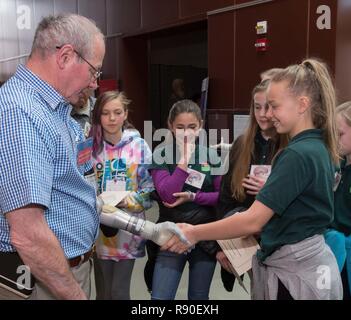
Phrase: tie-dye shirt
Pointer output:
(127, 163)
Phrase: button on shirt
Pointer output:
(38, 163)
(263, 150)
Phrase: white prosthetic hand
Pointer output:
(99, 204)
(159, 233)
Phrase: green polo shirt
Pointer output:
(342, 201)
(299, 191)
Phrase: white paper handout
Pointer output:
(113, 198)
(239, 252)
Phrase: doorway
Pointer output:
(177, 65)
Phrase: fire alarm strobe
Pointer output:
(261, 44)
(261, 27)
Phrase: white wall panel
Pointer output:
(25, 31)
(17, 32)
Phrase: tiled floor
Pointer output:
(217, 292)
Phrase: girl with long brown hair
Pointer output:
(257, 146)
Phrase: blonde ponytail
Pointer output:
(312, 78)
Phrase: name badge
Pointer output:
(87, 128)
(337, 180)
(261, 171)
(195, 178)
(84, 149)
(91, 178)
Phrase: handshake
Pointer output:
(159, 233)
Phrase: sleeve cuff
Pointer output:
(270, 204)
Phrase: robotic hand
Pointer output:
(99, 205)
(159, 233)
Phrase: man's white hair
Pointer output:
(56, 31)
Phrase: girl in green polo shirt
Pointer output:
(256, 146)
(295, 206)
(339, 236)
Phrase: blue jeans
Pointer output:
(168, 271)
(341, 247)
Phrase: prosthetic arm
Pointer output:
(159, 233)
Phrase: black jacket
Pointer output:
(263, 153)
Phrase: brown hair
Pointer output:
(243, 150)
(312, 79)
(96, 129)
(184, 106)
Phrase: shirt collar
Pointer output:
(259, 139)
(307, 134)
(343, 165)
(43, 89)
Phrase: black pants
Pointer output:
(345, 284)
(283, 292)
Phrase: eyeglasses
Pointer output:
(95, 73)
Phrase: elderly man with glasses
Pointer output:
(48, 216)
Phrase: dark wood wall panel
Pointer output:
(134, 78)
(109, 67)
(343, 51)
(155, 13)
(123, 16)
(287, 36)
(221, 60)
(190, 8)
(322, 42)
(89, 9)
(244, 1)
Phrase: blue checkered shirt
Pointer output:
(38, 163)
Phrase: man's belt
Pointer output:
(79, 260)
